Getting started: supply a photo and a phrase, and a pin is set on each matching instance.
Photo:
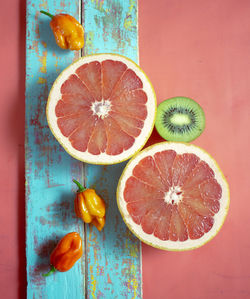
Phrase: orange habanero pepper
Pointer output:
(89, 206)
(68, 32)
(66, 253)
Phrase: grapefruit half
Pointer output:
(102, 109)
(173, 196)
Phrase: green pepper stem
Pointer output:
(47, 14)
(52, 270)
(80, 187)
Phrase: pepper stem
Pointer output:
(80, 187)
(52, 270)
(47, 14)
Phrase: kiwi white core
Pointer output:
(180, 119)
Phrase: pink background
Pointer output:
(194, 48)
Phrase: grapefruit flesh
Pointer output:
(173, 197)
(99, 107)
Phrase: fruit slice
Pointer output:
(173, 196)
(102, 109)
(180, 119)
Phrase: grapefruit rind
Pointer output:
(169, 245)
(103, 158)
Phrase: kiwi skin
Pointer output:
(180, 119)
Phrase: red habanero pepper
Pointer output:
(68, 32)
(89, 206)
(66, 253)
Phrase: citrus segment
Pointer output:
(102, 109)
(196, 224)
(142, 207)
(90, 74)
(128, 81)
(81, 135)
(69, 105)
(132, 97)
(173, 196)
(98, 140)
(149, 220)
(131, 110)
(117, 139)
(164, 161)
(208, 194)
(162, 226)
(73, 85)
(130, 126)
(68, 124)
(136, 190)
(177, 228)
(198, 205)
(112, 72)
(200, 173)
(148, 172)
(182, 167)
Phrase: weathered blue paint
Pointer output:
(113, 267)
(49, 169)
(113, 256)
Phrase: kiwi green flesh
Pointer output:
(180, 119)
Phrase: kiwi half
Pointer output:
(180, 119)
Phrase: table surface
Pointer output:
(192, 48)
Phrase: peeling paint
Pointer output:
(98, 5)
(133, 282)
(43, 60)
(92, 283)
(41, 80)
(129, 21)
(57, 68)
(43, 5)
(109, 279)
(89, 39)
(44, 44)
(113, 255)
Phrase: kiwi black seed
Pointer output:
(180, 119)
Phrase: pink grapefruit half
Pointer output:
(173, 196)
(102, 109)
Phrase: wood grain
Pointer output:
(111, 264)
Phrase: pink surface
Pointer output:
(191, 48)
(12, 212)
(201, 49)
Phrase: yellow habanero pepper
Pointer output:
(68, 32)
(89, 206)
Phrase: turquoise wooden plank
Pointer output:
(114, 255)
(113, 268)
(49, 169)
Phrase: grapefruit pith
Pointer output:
(102, 109)
(173, 196)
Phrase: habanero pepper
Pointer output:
(68, 32)
(66, 253)
(89, 206)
